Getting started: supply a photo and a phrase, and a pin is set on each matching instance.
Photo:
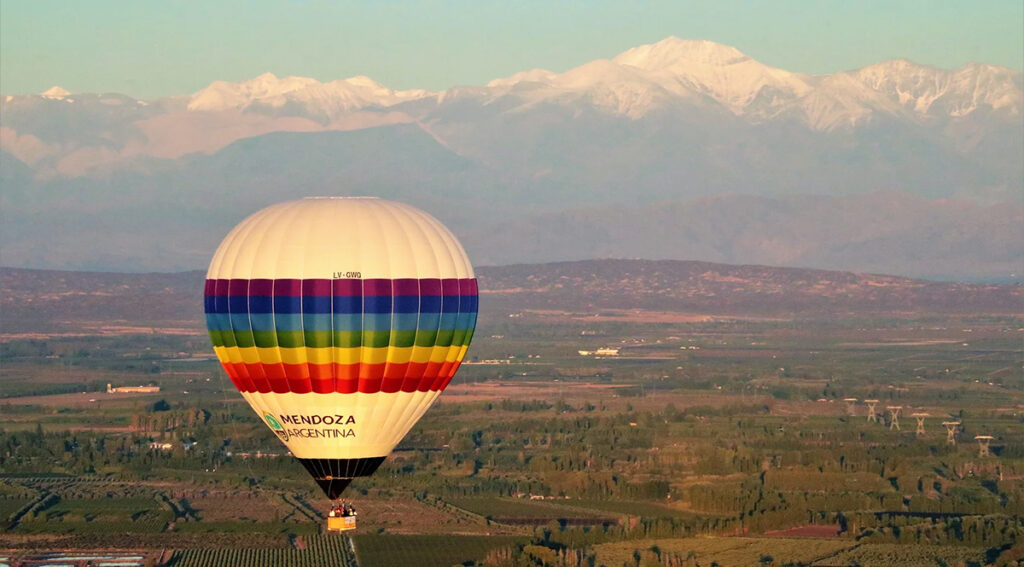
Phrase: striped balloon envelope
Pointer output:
(340, 320)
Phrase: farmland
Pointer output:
(721, 438)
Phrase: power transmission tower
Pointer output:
(871, 410)
(919, 416)
(983, 441)
(851, 406)
(894, 417)
(951, 429)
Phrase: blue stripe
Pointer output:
(288, 321)
(377, 304)
(287, 305)
(348, 322)
(261, 304)
(448, 321)
(312, 304)
(377, 322)
(238, 304)
(316, 322)
(240, 322)
(348, 304)
(450, 304)
(407, 304)
(405, 321)
(262, 321)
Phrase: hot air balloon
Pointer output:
(340, 320)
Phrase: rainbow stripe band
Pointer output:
(342, 335)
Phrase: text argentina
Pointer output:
(313, 433)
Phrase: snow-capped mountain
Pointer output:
(318, 99)
(56, 93)
(676, 71)
(681, 149)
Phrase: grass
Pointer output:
(516, 508)
(319, 550)
(878, 554)
(629, 508)
(733, 551)
(426, 550)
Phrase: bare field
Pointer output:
(97, 400)
(409, 516)
(644, 316)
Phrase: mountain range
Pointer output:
(680, 149)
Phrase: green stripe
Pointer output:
(376, 339)
(348, 339)
(318, 339)
(265, 339)
(426, 338)
(444, 338)
(343, 339)
(244, 339)
(403, 338)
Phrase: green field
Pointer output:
(318, 551)
(731, 551)
(497, 508)
(882, 555)
(703, 429)
(629, 508)
(426, 551)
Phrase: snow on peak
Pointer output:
(722, 72)
(531, 76)
(55, 93)
(327, 99)
(928, 90)
(672, 51)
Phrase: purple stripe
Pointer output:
(406, 286)
(290, 287)
(347, 288)
(316, 288)
(377, 287)
(261, 287)
(286, 287)
(430, 286)
(238, 287)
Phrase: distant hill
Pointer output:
(45, 301)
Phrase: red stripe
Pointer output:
(341, 378)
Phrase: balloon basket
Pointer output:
(341, 523)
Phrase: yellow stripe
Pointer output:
(222, 354)
(293, 355)
(454, 354)
(270, 355)
(421, 355)
(374, 355)
(325, 355)
(399, 355)
(347, 355)
(249, 355)
(233, 355)
(439, 354)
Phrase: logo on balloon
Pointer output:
(276, 426)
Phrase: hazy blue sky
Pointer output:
(147, 49)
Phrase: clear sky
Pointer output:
(149, 49)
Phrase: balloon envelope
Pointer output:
(340, 320)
